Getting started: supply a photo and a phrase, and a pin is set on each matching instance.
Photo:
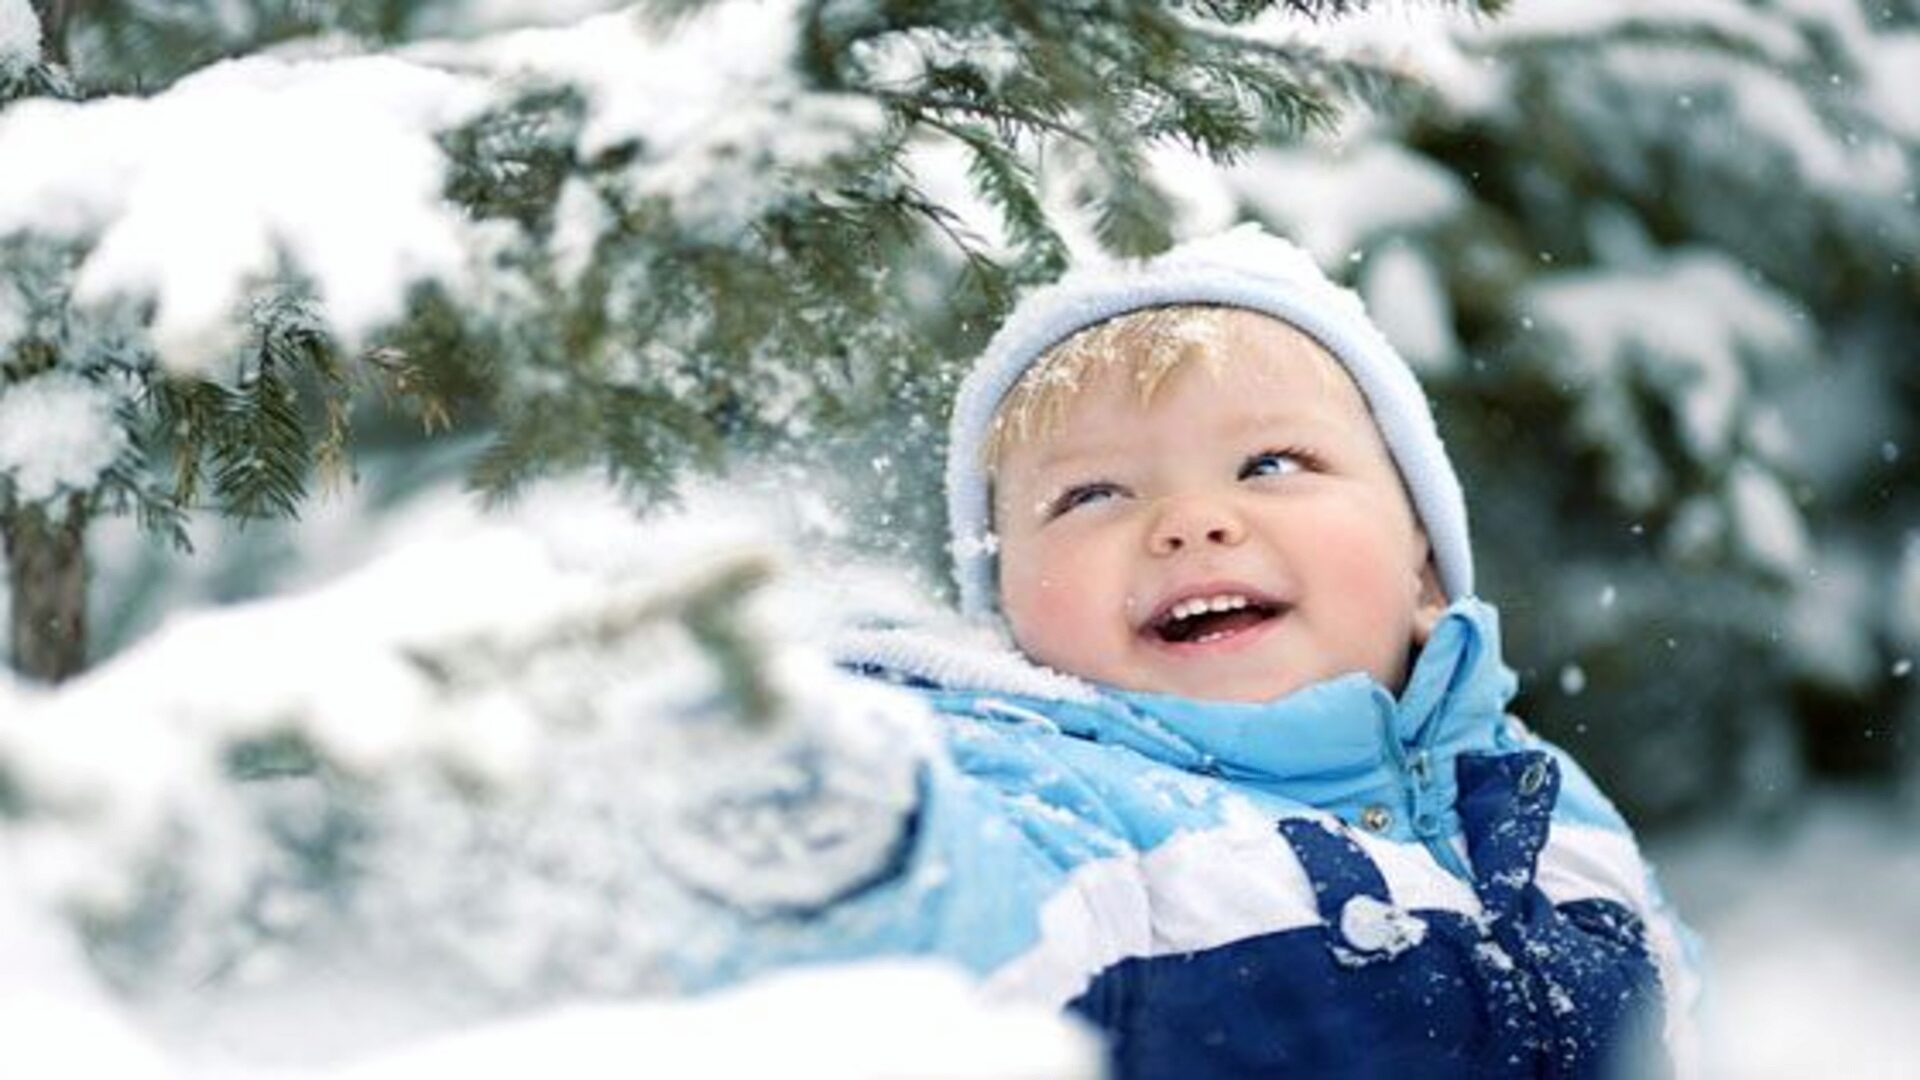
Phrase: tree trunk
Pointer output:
(47, 571)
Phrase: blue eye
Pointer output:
(1273, 463)
(1080, 495)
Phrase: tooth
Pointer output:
(1200, 605)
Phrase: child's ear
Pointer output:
(1429, 605)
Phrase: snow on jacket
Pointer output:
(1337, 883)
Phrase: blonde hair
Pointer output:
(1148, 346)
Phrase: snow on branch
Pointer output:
(334, 168)
(551, 784)
(712, 106)
(189, 197)
(19, 37)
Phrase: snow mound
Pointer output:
(556, 756)
(877, 1021)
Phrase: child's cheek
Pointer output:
(1045, 604)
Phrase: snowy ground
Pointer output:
(1813, 935)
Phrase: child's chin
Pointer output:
(1255, 694)
(1250, 689)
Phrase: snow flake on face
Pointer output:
(58, 433)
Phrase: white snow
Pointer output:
(1829, 642)
(578, 221)
(1693, 324)
(58, 434)
(1904, 598)
(1768, 108)
(1892, 78)
(191, 195)
(711, 101)
(59, 1020)
(1202, 201)
(1546, 19)
(1766, 520)
(526, 773)
(1808, 923)
(1376, 927)
(1409, 301)
(19, 36)
(938, 167)
(1842, 22)
(866, 1022)
(901, 59)
(1334, 203)
(14, 313)
(1431, 43)
(467, 18)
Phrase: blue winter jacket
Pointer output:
(1337, 883)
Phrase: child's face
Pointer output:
(1262, 489)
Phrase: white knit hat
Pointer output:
(1244, 267)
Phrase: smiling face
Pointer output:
(1234, 535)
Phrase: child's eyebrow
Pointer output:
(1078, 453)
(1304, 422)
(1301, 418)
(1272, 418)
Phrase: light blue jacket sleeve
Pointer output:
(998, 823)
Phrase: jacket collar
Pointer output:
(1337, 744)
(1347, 726)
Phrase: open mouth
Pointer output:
(1202, 619)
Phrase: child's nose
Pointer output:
(1194, 522)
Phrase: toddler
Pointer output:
(1247, 798)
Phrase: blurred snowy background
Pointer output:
(423, 780)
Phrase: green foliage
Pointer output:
(609, 325)
(676, 341)
(105, 351)
(34, 80)
(137, 46)
(249, 439)
(1670, 628)
(511, 162)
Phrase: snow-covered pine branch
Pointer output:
(640, 238)
(536, 789)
